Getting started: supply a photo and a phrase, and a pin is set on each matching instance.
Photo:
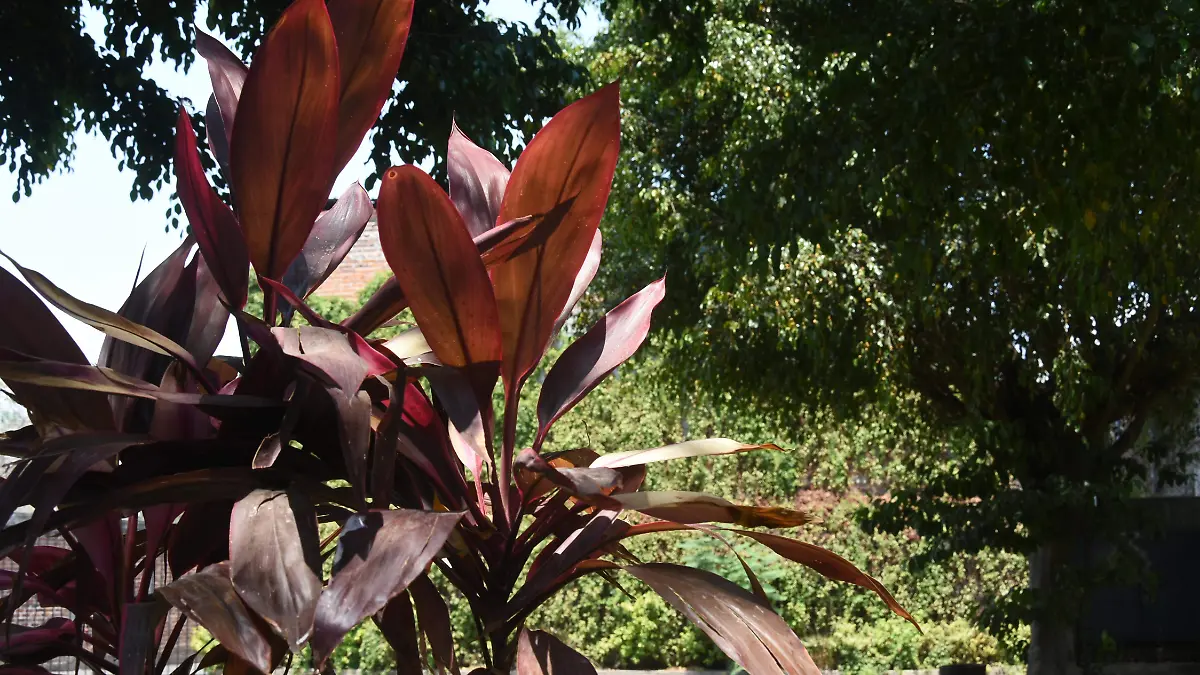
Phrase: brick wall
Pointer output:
(364, 262)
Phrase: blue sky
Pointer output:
(82, 231)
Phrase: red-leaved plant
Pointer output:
(226, 466)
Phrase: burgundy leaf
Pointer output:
(213, 223)
(563, 176)
(495, 246)
(379, 554)
(593, 485)
(467, 426)
(399, 628)
(332, 237)
(208, 598)
(434, 619)
(31, 329)
(592, 357)
(742, 625)
(354, 434)
(285, 136)
(228, 75)
(370, 42)
(540, 653)
(477, 181)
(273, 561)
(383, 453)
(438, 266)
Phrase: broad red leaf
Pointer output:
(370, 42)
(828, 564)
(467, 427)
(564, 177)
(477, 181)
(209, 599)
(438, 267)
(697, 507)
(591, 484)
(31, 329)
(742, 625)
(592, 357)
(706, 447)
(354, 436)
(274, 562)
(228, 76)
(379, 554)
(331, 239)
(495, 246)
(284, 137)
(540, 653)
(213, 223)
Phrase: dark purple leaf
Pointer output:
(434, 619)
(477, 181)
(354, 435)
(697, 507)
(583, 279)
(383, 454)
(228, 75)
(201, 537)
(742, 625)
(540, 653)
(327, 353)
(274, 561)
(592, 357)
(208, 598)
(332, 237)
(399, 628)
(213, 223)
(218, 135)
(379, 554)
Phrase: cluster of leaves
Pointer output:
(228, 467)
(986, 208)
(478, 68)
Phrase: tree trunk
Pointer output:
(1052, 640)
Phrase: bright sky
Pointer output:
(82, 231)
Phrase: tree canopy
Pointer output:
(990, 206)
(493, 76)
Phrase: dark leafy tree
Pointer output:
(56, 79)
(991, 205)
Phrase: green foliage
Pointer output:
(978, 216)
